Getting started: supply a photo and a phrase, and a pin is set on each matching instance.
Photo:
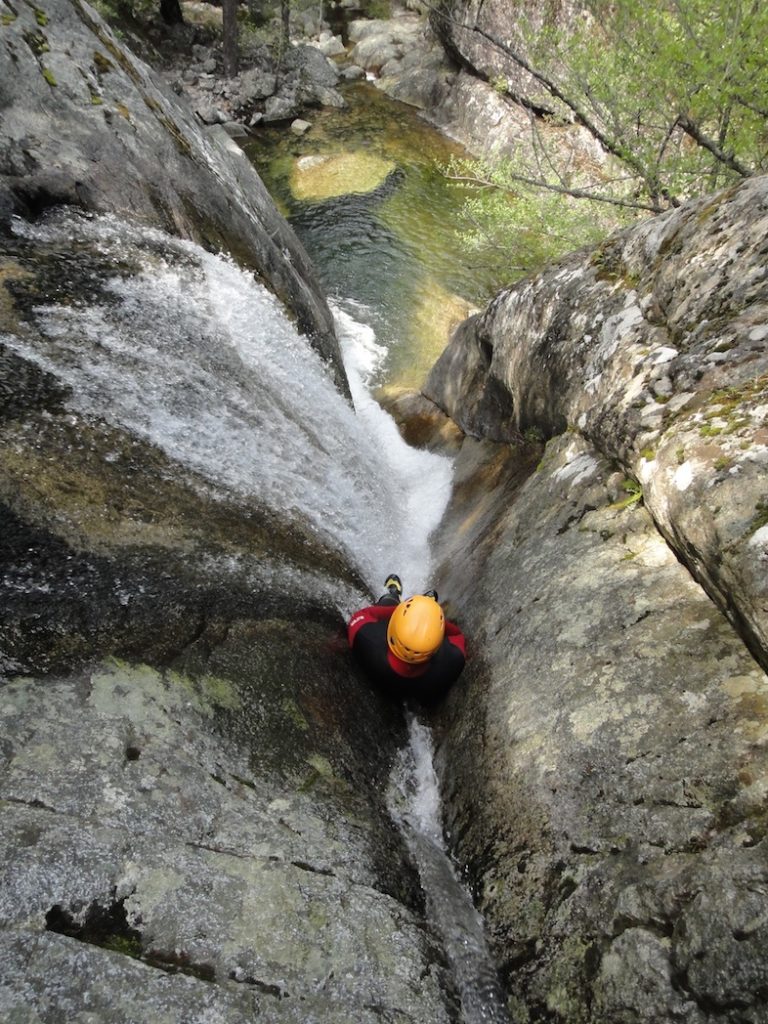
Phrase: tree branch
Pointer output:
(610, 145)
(693, 131)
(575, 193)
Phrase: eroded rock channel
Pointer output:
(192, 774)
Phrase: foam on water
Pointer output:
(414, 803)
(189, 352)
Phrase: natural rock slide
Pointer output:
(193, 822)
(617, 594)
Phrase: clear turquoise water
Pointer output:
(393, 256)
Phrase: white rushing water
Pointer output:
(414, 803)
(187, 351)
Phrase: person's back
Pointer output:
(407, 648)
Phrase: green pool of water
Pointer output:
(365, 191)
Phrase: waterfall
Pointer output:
(414, 802)
(183, 349)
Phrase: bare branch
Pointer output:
(665, 141)
(691, 129)
(574, 193)
(751, 106)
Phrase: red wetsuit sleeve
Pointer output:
(454, 636)
(373, 613)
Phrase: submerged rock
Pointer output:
(319, 177)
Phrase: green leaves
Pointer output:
(674, 92)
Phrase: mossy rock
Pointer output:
(319, 177)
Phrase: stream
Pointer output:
(180, 348)
(365, 192)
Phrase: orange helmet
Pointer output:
(416, 629)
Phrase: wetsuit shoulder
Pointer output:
(444, 669)
(365, 616)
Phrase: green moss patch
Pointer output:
(634, 494)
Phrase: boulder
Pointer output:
(235, 130)
(377, 42)
(373, 52)
(354, 73)
(255, 85)
(280, 108)
(424, 88)
(421, 423)
(329, 45)
(310, 66)
(613, 587)
(209, 113)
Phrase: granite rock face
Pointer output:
(86, 123)
(612, 583)
(206, 842)
(489, 100)
(467, 30)
(653, 348)
(446, 65)
(193, 774)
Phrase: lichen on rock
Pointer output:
(614, 710)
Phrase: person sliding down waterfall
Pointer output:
(408, 647)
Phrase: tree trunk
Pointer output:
(285, 12)
(170, 12)
(231, 53)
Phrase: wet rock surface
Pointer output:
(207, 840)
(192, 773)
(613, 712)
(86, 123)
(197, 830)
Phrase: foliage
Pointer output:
(634, 494)
(673, 92)
(524, 225)
(676, 89)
